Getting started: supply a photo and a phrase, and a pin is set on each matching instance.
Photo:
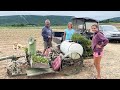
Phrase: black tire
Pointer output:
(72, 69)
(9, 73)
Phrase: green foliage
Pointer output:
(25, 49)
(39, 59)
(84, 42)
(82, 39)
(18, 25)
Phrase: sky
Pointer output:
(99, 15)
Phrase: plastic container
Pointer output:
(31, 46)
(73, 48)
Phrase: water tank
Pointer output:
(32, 46)
(71, 47)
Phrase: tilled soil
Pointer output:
(110, 64)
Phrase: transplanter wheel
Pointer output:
(72, 67)
(9, 73)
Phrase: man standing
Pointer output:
(47, 35)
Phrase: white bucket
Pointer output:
(73, 48)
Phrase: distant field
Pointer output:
(35, 27)
(53, 27)
(10, 35)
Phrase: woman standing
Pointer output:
(98, 43)
(68, 32)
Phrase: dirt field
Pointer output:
(110, 64)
